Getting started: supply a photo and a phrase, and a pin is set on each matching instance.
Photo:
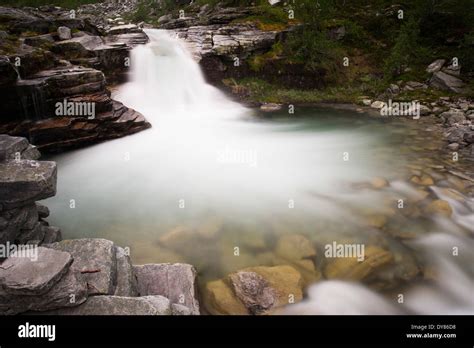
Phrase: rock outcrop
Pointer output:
(37, 108)
(23, 181)
(53, 57)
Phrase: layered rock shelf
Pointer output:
(68, 60)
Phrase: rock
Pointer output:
(453, 116)
(413, 85)
(174, 281)
(12, 147)
(435, 66)
(424, 180)
(39, 40)
(177, 309)
(165, 18)
(469, 137)
(424, 110)
(453, 146)
(95, 259)
(349, 268)
(394, 89)
(43, 211)
(219, 299)
(379, 183)
(118, 305)
(124, 29)
(271, 107)
(8, 74)
(377, 104)
(274, 286)
(253, 291)
(439, 207)
(64, 33)
(52, 234)
(34, 275)
(69, 291)
(443, 81)
(366, 102)
(23, 182)
(294, 247)
(126, 280)
(456, 134)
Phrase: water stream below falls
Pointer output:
(211, 176)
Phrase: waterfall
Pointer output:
(207, 157)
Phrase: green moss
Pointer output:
(262, 91)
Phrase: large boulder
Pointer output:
(118, 305)
(174, 281)
(443, 81)
(39, 282)
(95, 260)
(33, 275)
(254, 290)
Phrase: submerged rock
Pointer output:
(350, 268)
(253, 291)
(439, 207)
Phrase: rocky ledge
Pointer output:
(41, 273)
(55, 68)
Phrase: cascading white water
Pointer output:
(206, 156)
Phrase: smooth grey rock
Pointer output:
(254, 291)
(20, 275)
(174, 281)
(95, 259)
(64, 33)
(443, 81)
(118, 305)
(26, 181)
(435, 66)
(126, 280)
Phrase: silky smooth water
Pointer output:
(212, 175)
